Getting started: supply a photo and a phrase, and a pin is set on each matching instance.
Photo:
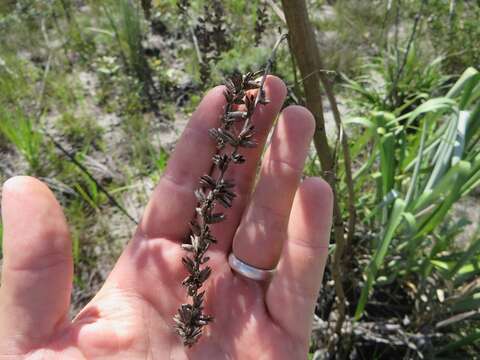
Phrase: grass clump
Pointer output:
(410, 181)
(81, 131)
(19, 130)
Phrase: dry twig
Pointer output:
(304, 45)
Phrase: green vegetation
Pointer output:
(93, 96)
(418, 184)
(18, 129)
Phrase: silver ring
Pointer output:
(249, 271)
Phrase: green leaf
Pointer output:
(466, 77)
(438, 216)
(460, 136)
(387, 162)
(441, 104)
(467, 255)
(461, 343)
(379, 256)
(442, 157)
(443, 265)
(359, 121)
(469, 303)
(414, 182)
(442, 189)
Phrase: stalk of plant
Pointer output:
(235, 132)
(261, 22)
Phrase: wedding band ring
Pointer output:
(249, 271)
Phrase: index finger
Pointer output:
(172, 203)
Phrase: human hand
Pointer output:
(281, 221)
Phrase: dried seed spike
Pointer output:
(216, 136)
(211, 239)
(216, 218)
(187, 247)
(227, 136)
(247, 132)
(236, 81)
(194, 227)
(225, 184)
(207, 181)
(190, 319)
(189, 264)
(226, 203)
(228, 95)
(250, 105)
(204, 274)
(238, 159)
(221, 161)
(248, 144)
(199, 194)
(234, 116)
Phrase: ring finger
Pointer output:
(262, 230)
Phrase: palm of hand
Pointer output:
(131, 316)
(137, 323)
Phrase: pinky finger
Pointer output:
(300, 271)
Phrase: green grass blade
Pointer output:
(442, 158)
(379, 256)
(413, 182)
(460, 139)
(460, 344)
(467, 255)
(387, 162)
(462, 82)
(473, 123)
(438, 216)
(469, 303)
(431, 196)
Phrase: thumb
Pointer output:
(37, 269)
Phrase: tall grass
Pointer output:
(127, 23)
(419, 79)
(17, 128)
(423, 162)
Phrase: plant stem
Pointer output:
(393, 93)
(309, 62)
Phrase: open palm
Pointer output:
(276, 219)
